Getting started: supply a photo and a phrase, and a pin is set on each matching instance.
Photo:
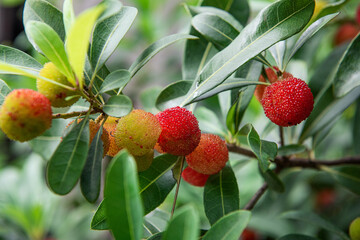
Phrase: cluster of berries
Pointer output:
(287, 101)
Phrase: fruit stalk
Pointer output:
(178, 184)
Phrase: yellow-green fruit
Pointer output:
(25, 114)
(55, 93)
(144, 162)
(354, 229)
(110, 126)
(138, 132)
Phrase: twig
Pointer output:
(72, 114)
(177, 186)
(250, 205)
(281, 133)
(240, 150)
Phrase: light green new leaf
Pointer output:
(4, 91)
(123, 207)
(115, 80)
(77, 40)
(184, 225)
(229, 227)
(68, 14)
(277, 22)
(107, 35)
(52, 46)
(118, 106)
(67, 162)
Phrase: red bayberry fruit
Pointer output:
(272, 77)
(210, 156)
(346, 33)
(193, 177)
(288, 102)
(249, 234)
(180, 132)
(25, 114)
(358, 14)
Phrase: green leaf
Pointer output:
(91, 174)
(221, 195)
(115, 80)
(297, 237)
(68, 14)
(273, 181)
(154, 48)
(173, 94)
(98, 221)
(107, 35)
(291, 149)
(123, 206)
(118, 106)
(150, 228)
(77, 40)
(4, 91)
(348, 73)
(348, 176)
(313, 219)
(184, 225)
(356, 129)
(148, 99)
(209, 122)
(18, 59)
(67, 162)
(52, 46)
(43, 11)
(229, 227)
(282, 20)
(157, 182)
(331, 8)
(157, 236)
(215, 29)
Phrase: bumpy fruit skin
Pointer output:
(144, 162)
(25, 114)
(272, 77)
(288, 102)
(354, 229)
(180, 132)
(110, 126)
(138, 132)
(56, 94)
(210, 156)
(194, 178)
(346, 33)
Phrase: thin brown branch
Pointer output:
(251, 204)
(236, 149)
(72, 114)
(281, 133)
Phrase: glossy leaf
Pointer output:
(297, 237)
(149, 229)
(348, 176)
(4, 91)
(356, 129)
(173, 94)
(221, 195)
(273, 181)
(52, 46)
(118, 106)
(184, 225)
(107, 35)
(157, 182)
(91, 174)
(331, 7)
(209, 122)
(154, 48)
(347, 76)
(98, 221)
(157, 236)
(18, 59)
(123, 206)
(68, 14)
(283, 19)
(77, 40)
(115, 80)
(229, 227)
(291, 149)
(66, 164)
(312, 218)
(43, 11)
(148, 99)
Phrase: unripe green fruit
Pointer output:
(354, 229)
(55, 93)
(138, 132)
(25, 114)
(144, 162)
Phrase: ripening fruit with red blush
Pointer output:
(180, 132)
(288, 102)
(194, 178)
(138, 132)
(346, 33)
(110, 126)
(210, 156)
(273, 77)
(25, 114)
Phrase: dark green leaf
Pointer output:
(115, 80)
(209, 122)
(221, 194)
(118, 106)
(154, 48)
(313, 219)
(348, 176)
(67, 162)
(149, 229)
(91, 174)
(157, 236)
(282, 20)
(184, 225)
(123, 206)
(291, 149)
(4, 91)
(107, 35)
(229, 227)
(98, 221)
(273, 181)
(157, 182)
(356, 129)
(348, 73)
(173, 94)
(297, 237)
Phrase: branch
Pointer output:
(72, 114)
(250, 205)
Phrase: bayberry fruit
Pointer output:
(110, 126)
(354, 229)
(346, 33)
(194, 178)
